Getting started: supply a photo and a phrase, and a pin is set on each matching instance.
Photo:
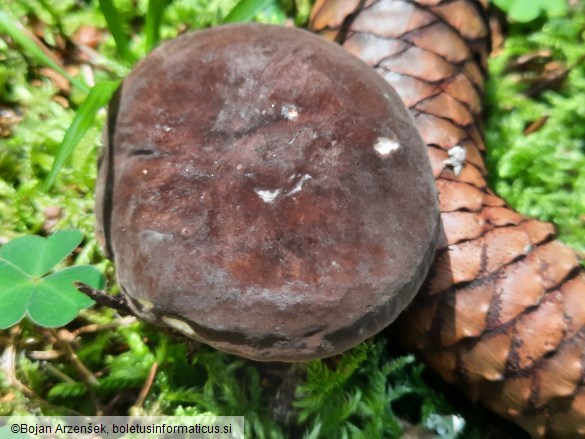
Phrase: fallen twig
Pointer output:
(146, 388)
(87, 376)
(94, 327)
(118, 303)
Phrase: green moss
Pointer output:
(542, 174)
(27, 154)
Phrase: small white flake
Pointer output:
(144, 171)
(289, 112)
(267, 196)
(164, 128)
(299, 184)
(458, 423)
(456, 160)
(385, 146)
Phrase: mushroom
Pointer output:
(265, 192)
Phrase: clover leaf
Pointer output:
(50, 300)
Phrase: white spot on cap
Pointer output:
(289, 112)
(384, 146)
(267, 196)
(299, 184)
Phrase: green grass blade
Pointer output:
(18, 33)
(245, 10)
(99, 96)
(153, 21)
(116, 28)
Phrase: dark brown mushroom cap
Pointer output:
(265, 192)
